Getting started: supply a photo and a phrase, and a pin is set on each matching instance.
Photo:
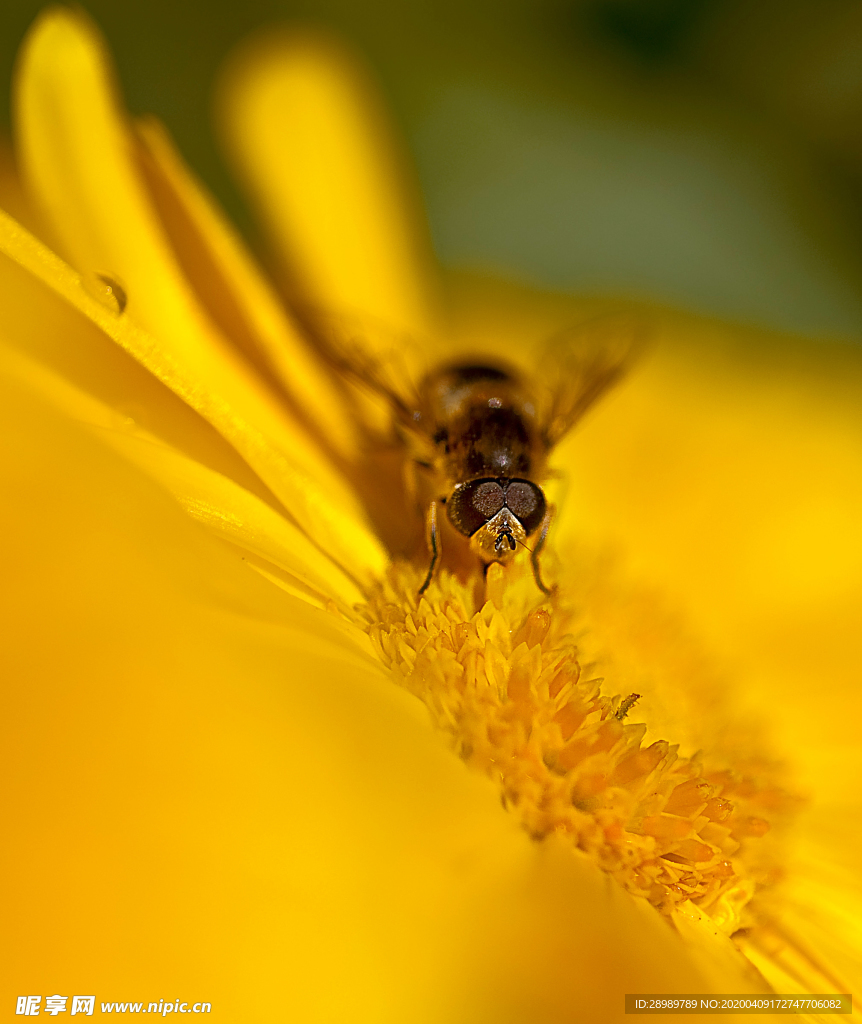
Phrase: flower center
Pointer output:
(506, 681)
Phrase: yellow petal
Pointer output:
(52, 319)
(77, 156)
(12, 196)
(307, 133)
(227, 509)
(730, 475)
(218, 796)
(234, 292)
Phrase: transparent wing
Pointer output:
(370, 354)
(579, 364)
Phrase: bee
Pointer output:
(478, 432)
(488, 453)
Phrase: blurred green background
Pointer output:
(702, 152)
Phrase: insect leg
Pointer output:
(433, 543)
(537, 550)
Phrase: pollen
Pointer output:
(504, 678)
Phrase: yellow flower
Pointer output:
(215, 791)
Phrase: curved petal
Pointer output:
(232, 289)
(309, 137)
(41, 320)
(13, 199)
(223, 506)
(77, 155)
(729, 472)
(213, 793)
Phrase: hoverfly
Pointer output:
(477, 432)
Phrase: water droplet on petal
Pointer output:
(106, 290)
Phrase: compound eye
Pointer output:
(526, 501)
(473, 504)
(488, 498)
